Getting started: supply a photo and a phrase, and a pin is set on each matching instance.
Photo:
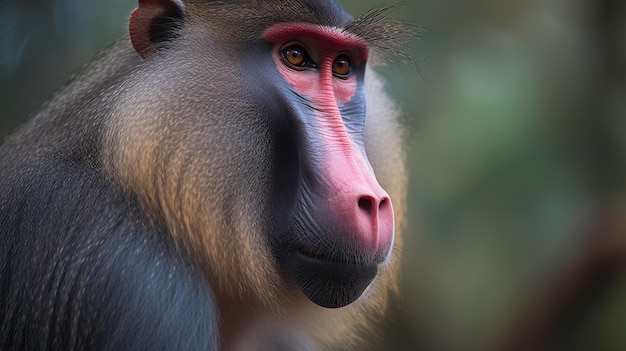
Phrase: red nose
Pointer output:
(375, 219)
(367, 213)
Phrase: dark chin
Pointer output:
(327, 283)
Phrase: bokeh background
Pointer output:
(517, 137)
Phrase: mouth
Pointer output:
(332, 259)
(328, 281)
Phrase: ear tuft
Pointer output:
(153, 21)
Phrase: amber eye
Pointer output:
(297, 57)
(342, 67)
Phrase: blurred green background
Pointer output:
(517, 137)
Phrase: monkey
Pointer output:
(220, 179)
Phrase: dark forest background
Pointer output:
(517, 139)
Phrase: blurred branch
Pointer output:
(583, 282)
(577, 287)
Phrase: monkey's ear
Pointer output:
(153, 22)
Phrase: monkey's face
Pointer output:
(332, 223)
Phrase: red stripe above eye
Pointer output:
(334, 37)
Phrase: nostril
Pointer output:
(366, 204)
(382, 203)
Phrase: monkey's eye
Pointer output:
(296, 57)
(342, 67)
